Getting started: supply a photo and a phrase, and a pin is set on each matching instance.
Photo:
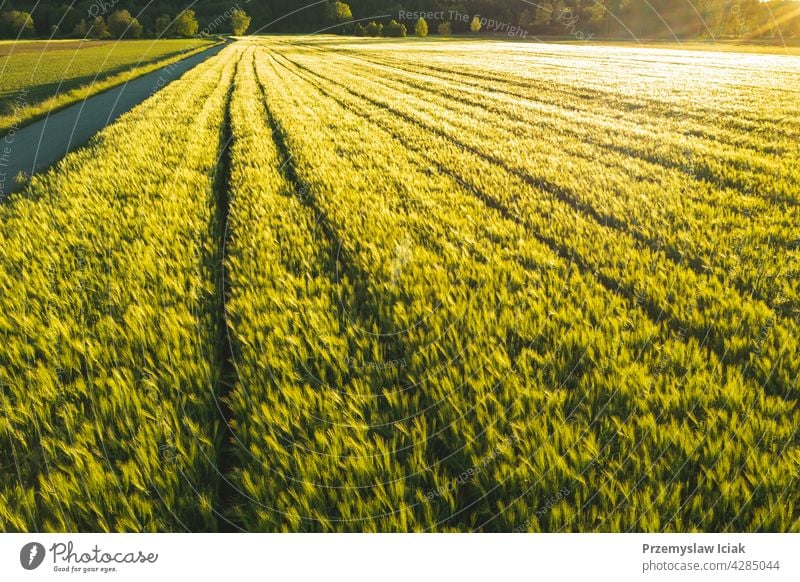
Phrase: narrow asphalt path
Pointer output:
(39, 145)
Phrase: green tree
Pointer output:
(421, 27)
(374, 29)
(359, 30)
(135, 30)
(186, 24)
(444, 29)
(15, 23)
(240, 22)
(98, 29)
(475, 25)
(81, 29)
(163, 26)
(395, 29)
(544, 13)
(338, 13)
(525, 19)
(122, 25)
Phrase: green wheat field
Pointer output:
(321, 284)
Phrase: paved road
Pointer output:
(42, 143)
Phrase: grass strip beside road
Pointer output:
(26, 111)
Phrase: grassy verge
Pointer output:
(24, 110)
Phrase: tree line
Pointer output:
(103, 19)
(568, 18)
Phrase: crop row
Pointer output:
(107, 360)
(276, 297)
(754, 97)
(661, 207)
(553, 363)
(741, 331)
(609, 100)
(300, 406)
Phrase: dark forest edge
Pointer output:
(578, 19)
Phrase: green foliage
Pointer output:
(163, 26)
(338, 13)
(99, 28)
(240, 22)
(394, 29)
(81, 29)
(421, 28)
(16, 24)
(374, 29)
(185, 24)
(475, 25)
(778, 20)
(444, 29)
(359, 30)
(122, 25)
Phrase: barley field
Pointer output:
(330, 285)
